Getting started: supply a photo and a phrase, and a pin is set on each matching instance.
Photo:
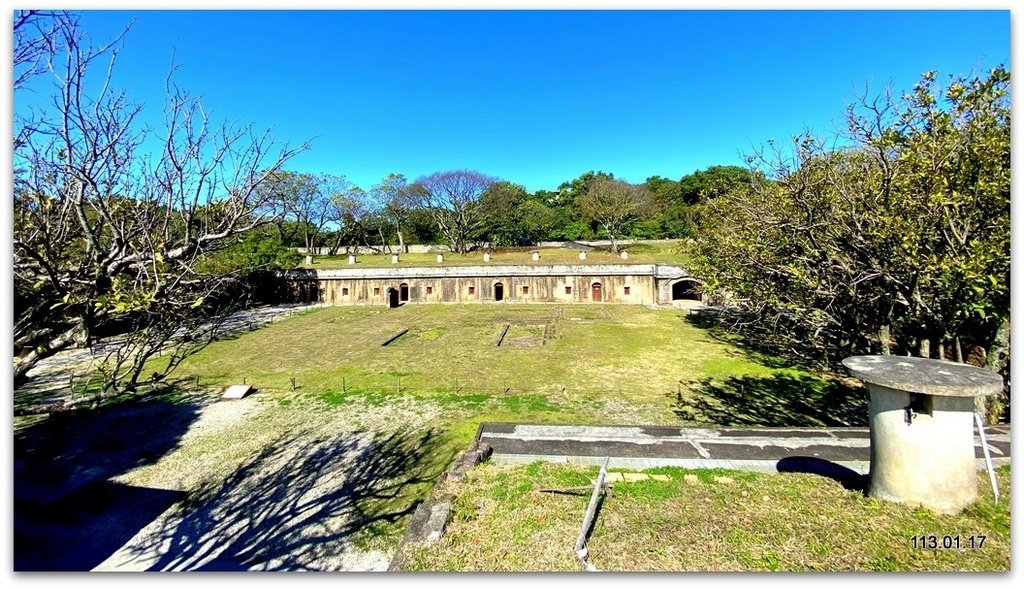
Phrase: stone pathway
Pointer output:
(755, 449)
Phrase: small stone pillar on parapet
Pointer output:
(394, 258)
(351, 259)
(583, 255)
(921, 418)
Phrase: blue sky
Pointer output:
(539, 97)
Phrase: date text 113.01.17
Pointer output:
(933, 542)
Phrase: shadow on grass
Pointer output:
(850, 479)
(295, 506)
(66, 515)
(714, 324)
(781, 400)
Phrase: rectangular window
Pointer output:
(430, 290)
(472, 290)
(526, 290)
(626, 289)
(568, 290)
(344, 292)
(376, 291)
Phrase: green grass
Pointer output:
(614, 364)
(667, 253)
(750, 522)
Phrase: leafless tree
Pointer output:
(453, 199)
(613, 203)
(111, 237)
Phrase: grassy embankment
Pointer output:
(640, 253)
(707, 520)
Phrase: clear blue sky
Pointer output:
(540, 97)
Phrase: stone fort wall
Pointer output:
(626, 284)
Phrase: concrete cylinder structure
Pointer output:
(394, 258)
(440, 258)
(309, 260)
(487, 256)
(921, 419)
(624, 255)
(535, 256)
(351, 259)
(583, 255)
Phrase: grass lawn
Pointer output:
(558, 363)
(639, 253)
(393, 418)
(697, 521)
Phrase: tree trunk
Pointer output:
(401, 241)
(1000, 343)
(995, 361)
(924, 348)
(884, 338)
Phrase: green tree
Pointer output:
(500, 206)
(712, 182)
(899, 236)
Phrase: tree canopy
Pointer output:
(894, 235)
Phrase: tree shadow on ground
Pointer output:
(66, 515)
(780, 400)
(752, 343)
(294, 506)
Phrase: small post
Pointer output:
(197, 381)
(624, 255)
(244, 380)
(583, 255)
(535, 256)
(679, 391)
(351, 259)
(487, 256)
(344, 388)
(394, 258)
(440, 258)
(293, 384)
(399, 385)
(456, 385)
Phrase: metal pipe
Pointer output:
(988, 457)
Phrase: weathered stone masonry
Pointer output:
(618, 283)
(632, 284)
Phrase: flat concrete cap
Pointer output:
(925, 376)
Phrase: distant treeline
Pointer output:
(465, 209)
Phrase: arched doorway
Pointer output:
(392, 298)
(595, 292)
(403, 293)
(499, 291)
(686, 290)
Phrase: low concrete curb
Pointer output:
(431, 517)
